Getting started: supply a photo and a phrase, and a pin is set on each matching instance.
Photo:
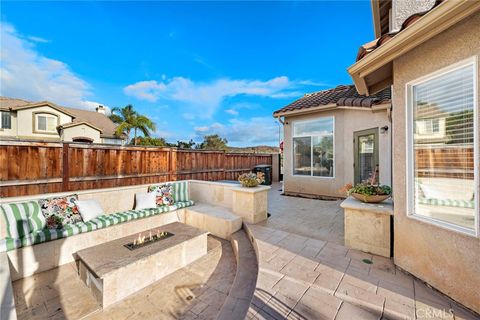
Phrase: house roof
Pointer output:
(373, 70)
(367, 48)
(341, 96)
(95, 119)
(78, 123)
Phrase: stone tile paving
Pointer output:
(312, 218)
(304, 278)
(196, 291)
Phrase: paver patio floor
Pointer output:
(305, 272)
(196, 291)
(307, 278)
(318, 219)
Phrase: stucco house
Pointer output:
(45, 120)
(333, 137)
(428, 53)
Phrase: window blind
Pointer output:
(444, 150)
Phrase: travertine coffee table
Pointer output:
(113, 272)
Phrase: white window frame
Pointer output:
(311, 148)
(409, 124)
(46, 115)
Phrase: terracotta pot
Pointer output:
(370, 199)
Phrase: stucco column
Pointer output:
(367, 226)
(250, 203)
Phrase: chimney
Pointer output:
(100, 109)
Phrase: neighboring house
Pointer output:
(44, 120)
(428, 53)
(333, 137)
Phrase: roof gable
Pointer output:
(43, 104)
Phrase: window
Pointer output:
(6, 120)
(443, 170)
(45, 122)
(313, 147)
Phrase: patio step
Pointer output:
(243, 288)
(219, 221)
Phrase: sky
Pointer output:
(194, 68)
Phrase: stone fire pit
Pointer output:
(113, 271)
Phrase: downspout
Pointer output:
(282, 121)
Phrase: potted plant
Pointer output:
(369, 191)
(251, 179)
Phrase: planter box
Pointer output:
(368, 226)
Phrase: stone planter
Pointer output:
(370, 199)
(368, 226)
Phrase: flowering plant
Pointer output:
(251, 179)
(367, 189)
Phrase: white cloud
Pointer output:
(145, 90)
(233, 112)
(27, 74)
(204, 98)
(244, 132)
(38, 39)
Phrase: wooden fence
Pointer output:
(28, 168)
(445, 161)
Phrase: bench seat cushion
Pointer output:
(448, 202)
(100, 222)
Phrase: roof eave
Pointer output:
(41, 104)
(431, 24)
(320, 108)
(377, 28)
(75, 124)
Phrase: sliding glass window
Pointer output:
(313, 147)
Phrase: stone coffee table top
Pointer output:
(113, 255)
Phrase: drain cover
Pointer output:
(189, 298)
(367, 261)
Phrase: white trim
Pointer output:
(311, 148)
(473, 61)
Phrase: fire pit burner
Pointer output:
(145, 241)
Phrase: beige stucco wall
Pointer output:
(81, 130)
(13, 131)
(448, 260)
(346, 123)
(402, 9)
(25, 122)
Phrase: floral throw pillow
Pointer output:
(60, 211)
(164, 194)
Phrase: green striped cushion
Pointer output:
(180, 191)
(23, 218)
(448, 202)
(45, 235)
(184, 204)
(8, 244)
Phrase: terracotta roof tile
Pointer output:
(367, 48)
(343, 95)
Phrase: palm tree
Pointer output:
(127, 119)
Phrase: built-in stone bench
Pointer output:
(219, 221)
(243, 288)
(368, 226)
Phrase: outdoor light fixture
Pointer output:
(384, 129)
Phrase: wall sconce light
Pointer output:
(384, 129)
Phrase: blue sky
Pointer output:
(195, 68)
